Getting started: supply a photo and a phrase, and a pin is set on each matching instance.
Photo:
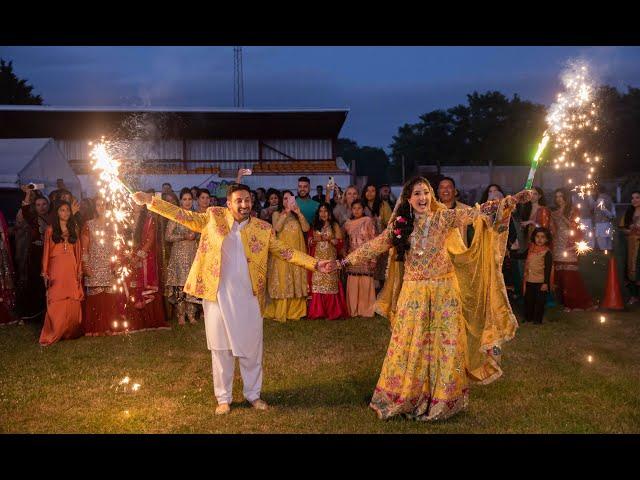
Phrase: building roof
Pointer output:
(59, 122)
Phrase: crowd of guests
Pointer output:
(63, 262)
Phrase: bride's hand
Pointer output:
(523, 196)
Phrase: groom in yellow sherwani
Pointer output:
(229, 274)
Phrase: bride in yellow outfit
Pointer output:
(447, 303)
(287, 284)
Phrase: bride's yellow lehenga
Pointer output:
(449, 312)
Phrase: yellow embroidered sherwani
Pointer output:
(258, 238)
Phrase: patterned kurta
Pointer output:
(424, 374)
(97, 252)
(183, 252)
(326, 283)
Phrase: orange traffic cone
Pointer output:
(612, 295)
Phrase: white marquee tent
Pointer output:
(35, 160)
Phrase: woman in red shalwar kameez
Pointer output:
(325, 241)
(146, 311)
(570, 287)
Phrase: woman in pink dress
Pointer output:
(62, 272)
(361, 293)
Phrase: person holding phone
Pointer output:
(31, 224)
(287, 283)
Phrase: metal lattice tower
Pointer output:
(238, 78)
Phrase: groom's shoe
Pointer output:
(259, 404)
(223, 409)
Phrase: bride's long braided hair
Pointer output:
(402, 218)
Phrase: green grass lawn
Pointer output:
(318, 378)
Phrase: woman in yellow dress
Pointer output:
(287, 283)
(451, 313)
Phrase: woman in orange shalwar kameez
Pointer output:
(62, 272)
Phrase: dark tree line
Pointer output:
(491, 129)
(13, 90)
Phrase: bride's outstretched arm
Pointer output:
(369, 250)
(464, 216)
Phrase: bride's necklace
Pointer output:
(419, 236)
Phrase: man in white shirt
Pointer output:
(229, 274)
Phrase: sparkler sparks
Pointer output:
(118, 210)
(126, 385)
(582, 247)
(570, 120)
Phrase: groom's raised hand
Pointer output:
(142, 198)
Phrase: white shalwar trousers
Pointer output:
(223, 363)
(233, 323)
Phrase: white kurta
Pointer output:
(234, 322)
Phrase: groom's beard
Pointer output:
(243, 214)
